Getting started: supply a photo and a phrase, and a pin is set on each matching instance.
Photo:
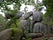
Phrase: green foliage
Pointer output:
(15, 23)
(2, 23)
(49, 12)
(18, 23)
(49, 5)
(27, 37)
(45, 38)
(16, 34)
(16, 4)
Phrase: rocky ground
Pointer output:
(47, 37)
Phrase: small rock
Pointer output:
(35, 35)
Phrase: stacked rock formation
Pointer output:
(35, 24)
(31, 22)
(31, 25)
(38, 25)
(25, 22)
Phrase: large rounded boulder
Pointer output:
(40, 27)
(6, 34)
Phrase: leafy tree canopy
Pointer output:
(49, 11)
(16, 3)
(49, 6)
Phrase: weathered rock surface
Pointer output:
(37, 16)
(40, 38)
(35, 35)
(24, 24)
(51, 38)
(48, 37)
(40, 27)
(6, 34)
(10, 15)
(18, 15)
(26, 15)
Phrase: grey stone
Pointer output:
(16, 15)
(40, 27)
(24, 24)
(6, 34)
(26, 15)
(37, 16)
(49, 29)
(35, 35)
(31, 26)
(51, 38)
(8, 15)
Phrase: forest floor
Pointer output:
(48, 37)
